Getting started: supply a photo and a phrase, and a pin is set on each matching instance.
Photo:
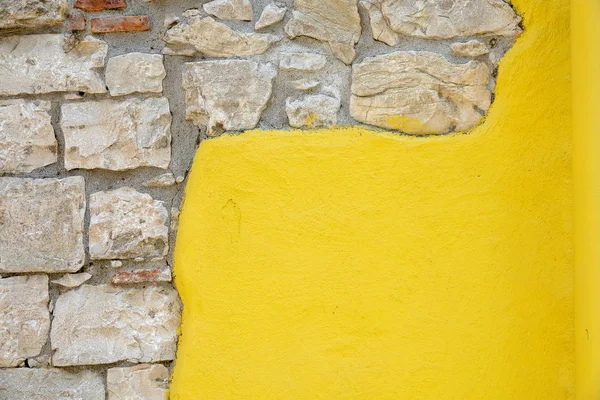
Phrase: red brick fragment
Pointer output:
(120, 24)
(76, 21)
(140, 276)
(99, 5)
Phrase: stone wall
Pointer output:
(102, 105)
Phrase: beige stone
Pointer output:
(105, 324)
(135, 73)
(72, 280)
(302, 62)
(141, 382)
(380, 29)
(472, 48)
(125, 224)
(27, 139)
(24, 318)
(41, 224)
(196, 34)
(50, 384)
(303, 84)
(332, 21)
(117, 134)
(446, 19)
(227, 95)
(419, 92)
(47, 63)
(272, 14)
(32, 14)
(164, 180)
(240, 10)
(312, 111)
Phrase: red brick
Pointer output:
(140, 276)
(99, 5)
(76, 21)
(120, 24)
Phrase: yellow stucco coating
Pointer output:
(351, 264)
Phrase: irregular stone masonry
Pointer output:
(103, 118)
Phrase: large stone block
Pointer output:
(50, 384)
(141, 382)
(49, 63)
(41, 224)
(104, 324)
(117, 135)
(148, 70)
(24, 318)
(32, 14)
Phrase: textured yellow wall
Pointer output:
(349, 264)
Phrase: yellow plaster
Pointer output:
(351, 264)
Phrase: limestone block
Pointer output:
(127, 224)
(380, 29)
(72, 280)
(302, 62)
(419, 92)
(135, 72)
(272, 14)
(24, 318)
(141, 382)
(105, 324)
(41, 224)
(32, 14)
(27, 139)
(48, 63)
(312, 111)
(117, 135)
(50, 384)
(195, 34)
(472, 48)
(240, 10)
(229, 95)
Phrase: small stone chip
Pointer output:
(472, 48)
(164, 180)
(303, 62)
(272, 14)
(312, 111)
(72, 280)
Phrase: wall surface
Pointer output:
(348, 263)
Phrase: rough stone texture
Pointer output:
(303, 84)
(24, 318)
(196, 34)
(240, 10)
(50, 384)
(117, 135)
(312, 111)
(435, 19)
(131, 23)
(380, 30)
(27, 138)
(472, 48)
(272, 14)
(104, 324)
(302, 62)
(229, 95)
(141, 382)
(35, 64)
(41, 224)
(126, 224)
(419, 92)
(72, 280)
(148, 70)
(333, 21)
(32, 14)
(76, 21)
(99, 5)
(164, 180)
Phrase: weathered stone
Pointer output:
(272, 14)
(196, 34)
(41, 224)
(303, 84)
(24, 318)
(229, 95)
(164, 180)
(141, 382)
(104, 324)
(125, 224)
(472, 48)
(117, 135)
(34, 64)
(153, 275)
(333, 21)
(50, 384)
(446, 19)
(72, 280)
(380, 28)
(27, 138)
(312, 111)
(240, 10)
(135, 72)
(130, 23)
(32, 14)
(76, 21)
(419, 92)
(303, 62)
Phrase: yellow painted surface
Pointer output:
(586, 162)
(350, 264)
